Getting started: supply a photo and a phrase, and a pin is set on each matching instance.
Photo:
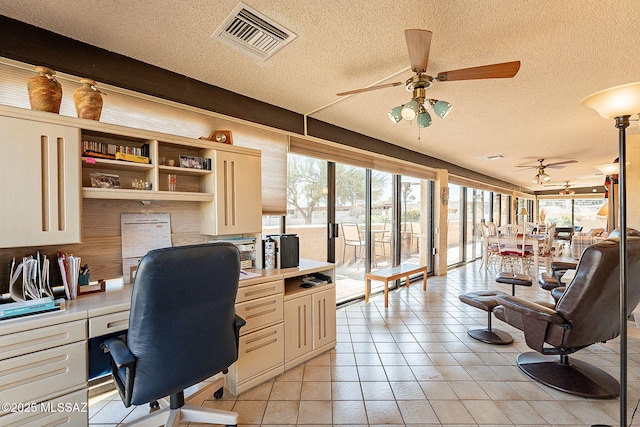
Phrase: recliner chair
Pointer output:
(587, 313)
(182, 330)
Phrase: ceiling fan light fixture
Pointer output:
(395, 114)
(536, 179)
(441, 108)
(424, 120)
(410, 110)
(545, 177)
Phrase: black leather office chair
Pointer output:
(587, 312)
(182, 330)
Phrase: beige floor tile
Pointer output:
(293, 374)
(372, 373)
(454, 373)
(259, 392)
(315, 412)
(344, 373)
(250, 411)
(451, 412)
(349, 412)
(590, 412)
(318, 390)
(554, 412)
(520, 412)
(468, 390)
(377, 390)
(383, 412)
(317, 373)
(417, 412)
(281, 412)
(346, 390)
(438, 390)
(498, 390)
(486, 412)
(286, 390)
(407, 390)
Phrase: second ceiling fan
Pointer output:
(419, 44)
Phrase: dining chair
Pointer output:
(491, 255)
(514, 253)
(351, 237)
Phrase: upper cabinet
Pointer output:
(40, 194)
(239, 192)
(53, 162)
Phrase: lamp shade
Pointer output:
(396, 114)
(442, 108)
(623, 100)
(424, 120)
(604, 210)
(523, 211)
(609, 169)
(410, 110)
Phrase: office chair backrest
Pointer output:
(182, 316)
(591, 301)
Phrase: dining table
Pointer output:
(536, 241)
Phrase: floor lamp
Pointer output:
(620, 103)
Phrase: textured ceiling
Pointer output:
(568, 50)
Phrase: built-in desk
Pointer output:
(44, 357)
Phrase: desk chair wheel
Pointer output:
(218, 393)
(154, 406)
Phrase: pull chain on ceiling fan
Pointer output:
(418, 45)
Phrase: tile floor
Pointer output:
(413, 364)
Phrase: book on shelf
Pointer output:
(132, 158)
(107, 150)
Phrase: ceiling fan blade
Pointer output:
(494, 71)
(557, 165)
(367, 89)
(525, 167)
(418, 44)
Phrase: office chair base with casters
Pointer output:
(187, 413)
(570, 376)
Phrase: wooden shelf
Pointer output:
(98, 163)
(183, 171)
(113, 193)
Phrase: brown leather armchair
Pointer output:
(587, 312)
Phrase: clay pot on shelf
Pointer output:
(88, 100)
(45, 92)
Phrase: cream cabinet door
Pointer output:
(298, 332)
(40, 191)
(324, 317)
(238, 195)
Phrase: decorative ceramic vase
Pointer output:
(88, 100)
(45, 93)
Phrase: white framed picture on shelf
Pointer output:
(191, 162)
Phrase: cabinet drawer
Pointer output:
(20, 343)
(260, 290)
(36, 376)
(109, 323)
(71, 410)
(260, 351)
(260, 312)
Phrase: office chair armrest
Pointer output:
(238, 323)
(120, 353)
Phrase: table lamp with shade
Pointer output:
(620, 103)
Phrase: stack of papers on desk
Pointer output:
(35, 278)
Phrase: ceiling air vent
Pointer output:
(252, 33)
